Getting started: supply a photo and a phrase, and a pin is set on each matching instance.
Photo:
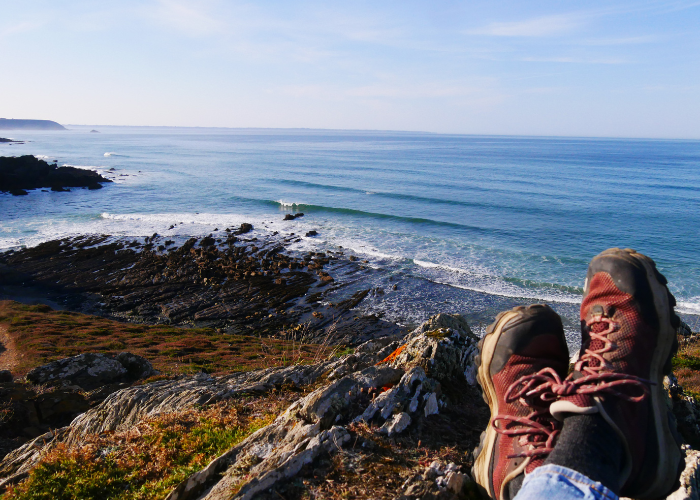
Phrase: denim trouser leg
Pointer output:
(555, 482)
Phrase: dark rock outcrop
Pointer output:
(237, 285)
(245, 228)
(92, 370)
(27, 172)
(27, 411)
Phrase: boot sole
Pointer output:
(670, 459)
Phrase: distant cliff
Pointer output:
(11, 124)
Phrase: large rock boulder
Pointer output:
(92, 370)
(398, 393)
(137, 367)
(443, 346)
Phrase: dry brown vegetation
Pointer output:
(149, 459)
(686, 365)
(42, 334)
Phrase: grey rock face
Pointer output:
(443, 346)
(396, 424)
(685, 410)
(684, 330)
(454, 322)
(296, 437)
(86, 370)
(92, 370)
(136, 367)
(690, 478)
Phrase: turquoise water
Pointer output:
(464, 223)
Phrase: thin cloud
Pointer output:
(630, 40)
(537, 27)
(185, 17)
(18, 28)
(428, 90)
(574, 60)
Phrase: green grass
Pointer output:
(146, 464)
(686, 361)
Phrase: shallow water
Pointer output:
(463, 224)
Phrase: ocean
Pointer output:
(460, 224)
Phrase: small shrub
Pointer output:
(144, 462)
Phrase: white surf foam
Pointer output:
(513, 293)
(85, 167)
(288, 204)
(432, 265)
(689, 306)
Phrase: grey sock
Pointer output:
(514, 485)
(587, 444)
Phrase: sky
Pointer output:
(566, 68)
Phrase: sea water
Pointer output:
(466, 224)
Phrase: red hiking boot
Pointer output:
(520, 352)
(628, 340)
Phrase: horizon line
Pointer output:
(542, 136)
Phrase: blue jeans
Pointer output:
(560, 483)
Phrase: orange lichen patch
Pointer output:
(391, 357)
(41, 334)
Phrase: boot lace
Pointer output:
(547, 386)
(538, 432)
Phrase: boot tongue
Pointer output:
(595, 344)
(598, 328)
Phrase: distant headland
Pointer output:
(12, 124)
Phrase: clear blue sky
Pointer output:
(585, 68)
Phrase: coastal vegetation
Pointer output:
(686, 365)
(42, 334)
(146, 461)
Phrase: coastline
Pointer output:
(399, 298)
(240, 285)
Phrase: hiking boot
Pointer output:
(628, 341)
(521, 352)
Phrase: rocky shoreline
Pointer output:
(232, 282)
